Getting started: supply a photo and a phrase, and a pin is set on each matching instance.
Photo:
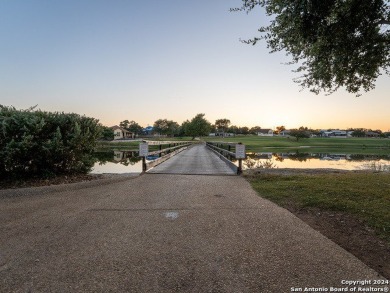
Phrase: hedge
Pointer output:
(35, 143)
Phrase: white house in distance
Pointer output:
(336, 133)
(265, 132)
(285, 133)
(225, 134)
(121, 133)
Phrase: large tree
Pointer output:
(244, 130)
(222, 125)
(134, 127)
(124, 124)
(336, 43)
(166, 127)
(279, 129)
(198, 126)
(302, 132)
(255, 129)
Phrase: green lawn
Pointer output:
(283, 144)
(313, 145)
(120, 145)
(130, 145)
(365, 195)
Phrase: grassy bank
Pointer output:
(122, 144)
(324, 145)
(282, 144)
(363, 195)
(132, 144)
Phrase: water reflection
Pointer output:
(130, 162)
(315, 160)
(117, 162)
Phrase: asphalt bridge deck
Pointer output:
(197, 159)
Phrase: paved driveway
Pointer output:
(162, 233)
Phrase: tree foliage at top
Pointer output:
(336, 43)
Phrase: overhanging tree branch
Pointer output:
(341, 44)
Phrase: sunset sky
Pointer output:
(145, 60)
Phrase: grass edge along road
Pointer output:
(351, 208)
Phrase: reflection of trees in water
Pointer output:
(358, 157)
(259, 160)
(301, 157)
(251, 163)
(278, 157)
(125, 158)
(103, 157)
(130, 161)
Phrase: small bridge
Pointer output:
(193, 159)
(169, 233)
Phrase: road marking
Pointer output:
(172, 215)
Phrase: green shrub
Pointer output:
(34, 143)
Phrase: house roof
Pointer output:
(120, 128)
(266, 130)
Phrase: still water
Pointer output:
(119, 162)
(317, 160)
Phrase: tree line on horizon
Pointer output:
(199, 126)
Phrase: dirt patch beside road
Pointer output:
(351, 234)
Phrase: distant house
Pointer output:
(264, 156)
(119, 156)
(265, 132)
(334, 133)
(224, 134)
(372, 134)
(285, 133)
(147, 130)
(121, 133)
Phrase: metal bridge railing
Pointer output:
(163, 150)
(229, 151)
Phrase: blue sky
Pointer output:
(145, 60)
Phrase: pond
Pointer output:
(318, 160)
(119, 162)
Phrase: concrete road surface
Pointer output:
(162, 233)
(198, 159)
